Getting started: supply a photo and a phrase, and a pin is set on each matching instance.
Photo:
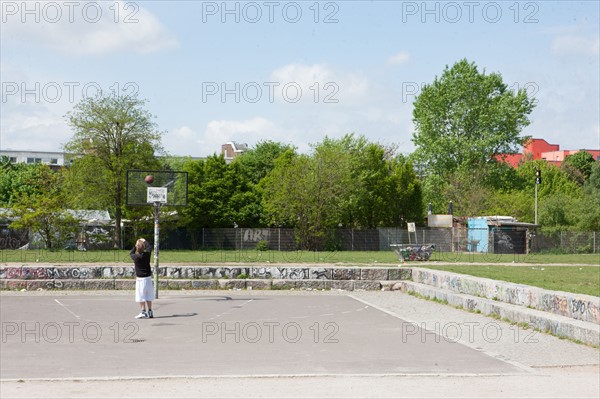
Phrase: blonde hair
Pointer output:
(140, 246)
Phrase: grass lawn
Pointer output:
(577, 279)
(251, 256)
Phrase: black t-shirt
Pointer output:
(142, 262)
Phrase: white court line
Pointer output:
(464, 342)
(67, 309)
(230, 309)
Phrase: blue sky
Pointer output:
(292, 72)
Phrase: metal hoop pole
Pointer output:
(156, 245)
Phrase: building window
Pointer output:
(13, 159)
(53, 161)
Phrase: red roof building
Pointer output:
(541, 149)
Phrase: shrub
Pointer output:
(262, 245)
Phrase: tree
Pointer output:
(466, 118)
(111, 135)
(589, 209)
(305, 191)
(383, 190)
(41, 210)
(257, 162)
(516, 203)
(554, 180)
(17, 180)
(579, 166)
(405, 201)
(557, 211)
(348, 181)
(219, 195)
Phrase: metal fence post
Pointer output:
(561, 239)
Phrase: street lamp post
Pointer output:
(538, 181)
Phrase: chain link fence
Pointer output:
(445, 240)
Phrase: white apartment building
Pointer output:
(45, 157)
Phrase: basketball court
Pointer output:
(60, 336)
(215, 343)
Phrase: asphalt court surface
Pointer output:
(222, 333)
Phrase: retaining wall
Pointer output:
(32, 277)
(576, 306)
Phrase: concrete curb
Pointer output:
(575, 306)
(197, 284)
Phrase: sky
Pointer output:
(290, 71)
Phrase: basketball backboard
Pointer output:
(167, 188)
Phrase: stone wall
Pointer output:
(32, 277)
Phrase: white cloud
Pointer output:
(32, 130)
(399, 59)
(180, 141)
(183, 132)
(318, 84)
(571, 44)
(219, 132)
(87, 28)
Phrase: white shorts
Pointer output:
(144, 289)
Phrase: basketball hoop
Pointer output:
(156, 188)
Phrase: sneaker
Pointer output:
(142, 315)
(150, 314)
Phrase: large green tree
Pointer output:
(305, 192)
(219, 195)
(348, 181)
(383, 190)
(111, 134)
(258, 161)
(466, 118)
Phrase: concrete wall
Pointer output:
(31, 277)
(576, 306)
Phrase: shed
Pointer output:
(498, 234)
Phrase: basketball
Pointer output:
(149, 179)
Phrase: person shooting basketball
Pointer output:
(144, 290)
